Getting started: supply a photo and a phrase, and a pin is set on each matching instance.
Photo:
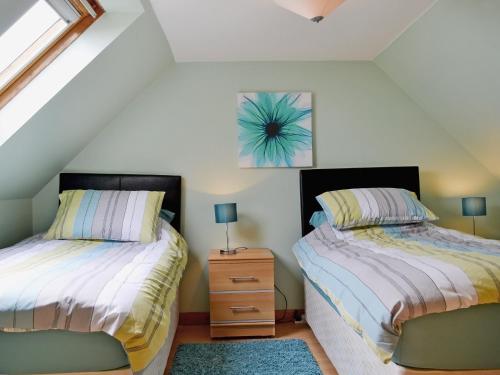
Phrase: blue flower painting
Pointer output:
(274, 129)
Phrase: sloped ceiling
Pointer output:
(64, 126)
(259, 30)
(11, 11)
(449, 62)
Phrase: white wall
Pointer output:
(185, 123)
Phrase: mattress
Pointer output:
(454, 340)
(94, 292)
(380, 279)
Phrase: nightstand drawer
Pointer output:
(238, 307)
(241, 276)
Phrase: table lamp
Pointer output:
(226, 213)
(474, 206)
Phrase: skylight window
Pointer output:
(34, 31)
(37, 37)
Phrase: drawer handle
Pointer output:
(236, 279)
(243, 308)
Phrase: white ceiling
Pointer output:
(259, 30)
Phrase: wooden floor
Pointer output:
(201, 333)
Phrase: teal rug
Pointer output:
(260, 357)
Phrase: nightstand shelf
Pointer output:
(241, 293)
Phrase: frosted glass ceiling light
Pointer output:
(315, 10)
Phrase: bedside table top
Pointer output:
(242, 255)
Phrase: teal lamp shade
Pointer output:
(474, 206)
(225, 213)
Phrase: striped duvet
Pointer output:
(380, 277)
(123, 289)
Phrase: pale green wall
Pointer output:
(185, 123)
(449, 62)
(15, 221)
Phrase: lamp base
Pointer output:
(228, 251)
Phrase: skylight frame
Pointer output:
(52, 50)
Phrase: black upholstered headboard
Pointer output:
(316, 181)
(171, 185)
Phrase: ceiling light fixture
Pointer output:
(315, 10)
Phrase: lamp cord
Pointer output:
(283, 316)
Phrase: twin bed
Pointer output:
(91, 307)
(372, 294)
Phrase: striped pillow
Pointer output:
(107, 215)
(352, 208)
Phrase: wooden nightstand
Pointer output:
(241, 293)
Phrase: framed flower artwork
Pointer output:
(274, 129)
